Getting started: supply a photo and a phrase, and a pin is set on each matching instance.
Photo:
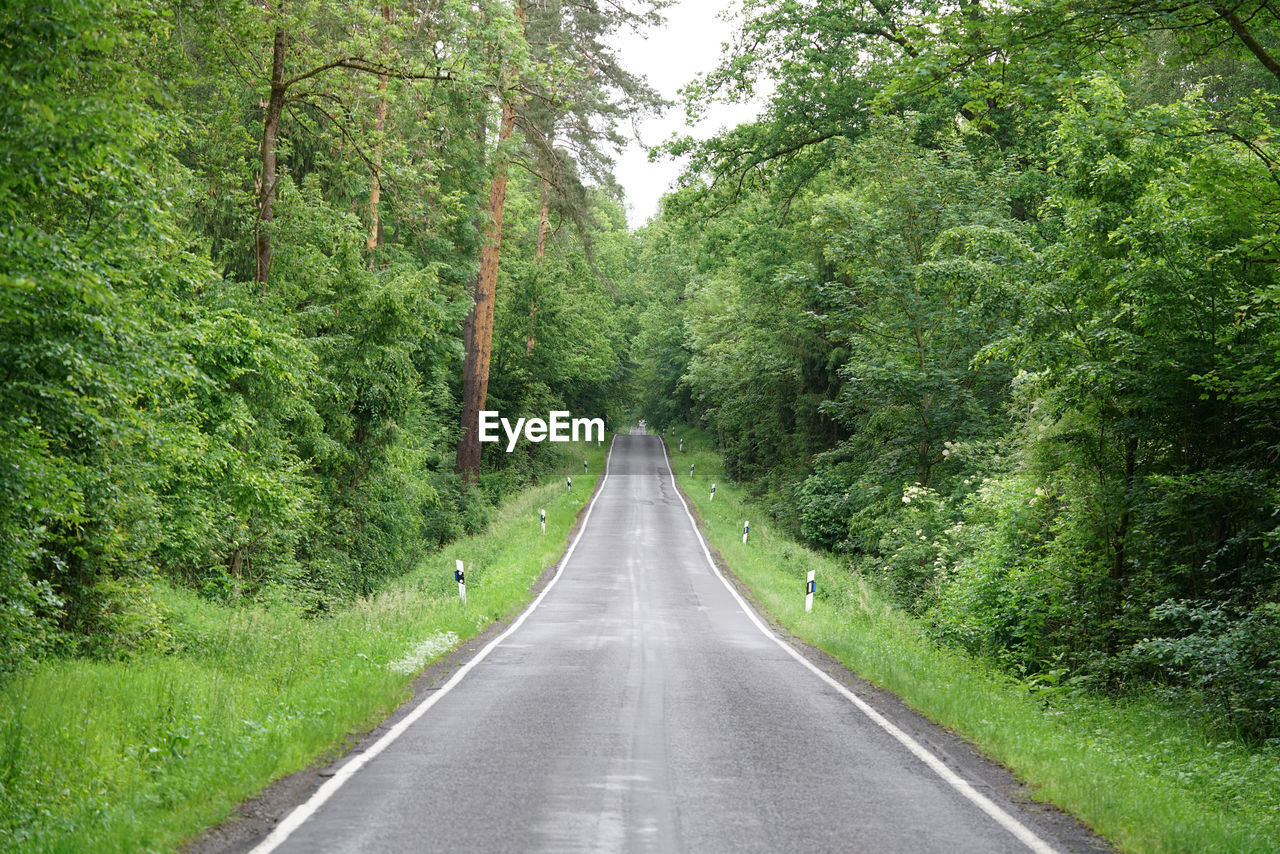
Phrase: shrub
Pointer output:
(1232, 657)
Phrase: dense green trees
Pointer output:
(233, 274)
(986, 299)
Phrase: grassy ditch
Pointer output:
(141, 755)
(1145, 775)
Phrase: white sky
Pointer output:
(670, 57)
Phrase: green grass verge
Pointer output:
(141, 755)
(1139, 771)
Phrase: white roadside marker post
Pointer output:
(810, 587)
(746, 529)
(682, 444)
(542, 517)
(713, 492)
(568, 482)
(461, 577)
(690, 469)
(584, 468)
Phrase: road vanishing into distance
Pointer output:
(640, 705)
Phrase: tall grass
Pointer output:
(1141, 770)
(138, 756)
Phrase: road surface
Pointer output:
(639, 707)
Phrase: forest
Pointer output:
(242, 292)
(985, 302)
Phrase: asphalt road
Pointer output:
(639, 707)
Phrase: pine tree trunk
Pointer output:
(479, 328)
(270, 134)
(544, 225)
(544, 221)
(375, 171)
(375, 168)
(544, 213)
(478, 332)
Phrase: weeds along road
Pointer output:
(641, 707)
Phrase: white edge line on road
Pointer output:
(301, 813)
(981, 801)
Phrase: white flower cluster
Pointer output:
(416, 657)
(912, 493)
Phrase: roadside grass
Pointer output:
(1142, 772)
(141, 755)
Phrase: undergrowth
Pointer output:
(1143, 769)
(137, 756)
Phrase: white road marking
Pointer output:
(1024, 834)
(300, 814)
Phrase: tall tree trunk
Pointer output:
(479, 328)
(270, 133)
(375, 168)
(544, 221)
(544, 225)
(530, 341)
(478, 332)
(544, 212)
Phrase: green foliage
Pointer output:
(1114, 762)
(232, 486)
(90, 260)
(291, 440)
(1160, 488)
(1233, 658)
(926, 268)
(986, 300)
(116, 756)
(562, 305)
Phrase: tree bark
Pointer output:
(544, 222)
(375, 168)
(478, 331)
(530, 341)
(544, 225)
(478, 337)
(270, 134)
